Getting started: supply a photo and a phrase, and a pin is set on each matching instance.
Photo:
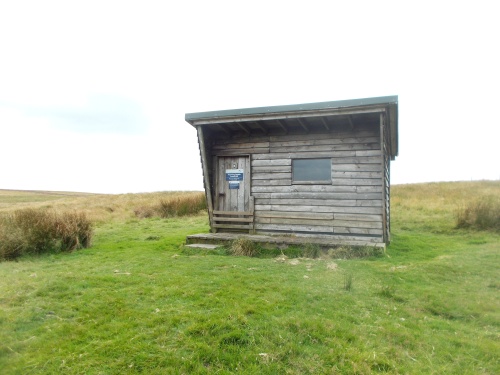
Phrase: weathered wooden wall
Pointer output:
(350, 208)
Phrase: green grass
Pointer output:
(137, 301)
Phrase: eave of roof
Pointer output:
(307, 107)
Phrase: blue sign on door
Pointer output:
(234, 174)
(234, 185)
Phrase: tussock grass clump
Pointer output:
(312, 251)
(181, 206)
(174, 206)
(37, 231)
(144, 212)
(244, 247)
(482, 214)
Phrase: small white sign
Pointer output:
(234, 174)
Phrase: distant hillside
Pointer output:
(100, 207)
(432, 204)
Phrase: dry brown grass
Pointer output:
(97, 207)
(244, 247)
(174, 206)
(37, 231)
(35, 222)
(482, 214)
(442, 195)
(436, 206)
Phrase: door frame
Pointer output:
(247, 177)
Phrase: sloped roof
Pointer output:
(261, 120)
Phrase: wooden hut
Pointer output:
(307, 171)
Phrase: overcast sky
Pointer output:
(93, 93)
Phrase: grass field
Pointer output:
(139, 302)
(99, 207)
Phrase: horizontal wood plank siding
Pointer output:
(287, 228)
(271, 176)
(269, 163)
(239, 152)
(284, 182)
(339, 137)
(320, 208)
(272, 169)
(352, 167)
(240, 145)
(350, 207)
(344, 158)
(319, 196)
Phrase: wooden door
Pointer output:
(233, 205)
(233, 184)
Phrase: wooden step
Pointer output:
(203, 246)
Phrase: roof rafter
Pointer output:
(325, 123)
(282, 126)
(223, 127)
(301, 122)
(244, 128)
(261, 127)
(351, 122)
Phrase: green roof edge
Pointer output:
(292, 107)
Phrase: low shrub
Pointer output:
(32, 231)
(482, 214)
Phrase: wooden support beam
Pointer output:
(223, 127)
(302, 123)
(384, 200)
(261, 127)
(282, 126)
(244, 128)
(351, 122)
(206, 176)
(325, 123)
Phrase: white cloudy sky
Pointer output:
(93, 93)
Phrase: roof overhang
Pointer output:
(306, 117)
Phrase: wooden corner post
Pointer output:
(206, 176)
(384, 183)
